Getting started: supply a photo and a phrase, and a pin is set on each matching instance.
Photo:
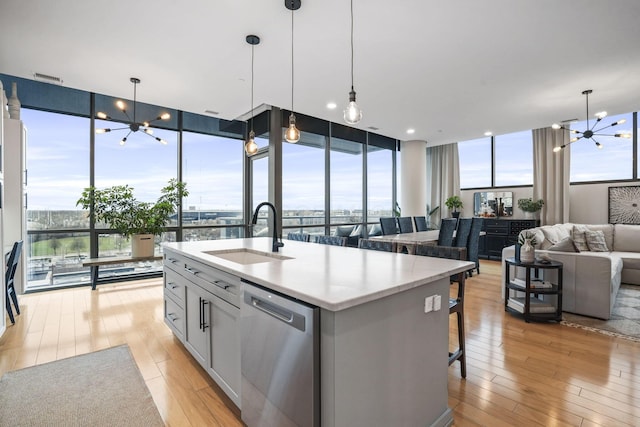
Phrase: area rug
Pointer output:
(625, 319)
(104, 388)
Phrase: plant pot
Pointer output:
(142, 245)
(530, 215)
(455, 214)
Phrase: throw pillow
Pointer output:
(565, 245)
(579, 238)
(596, 242)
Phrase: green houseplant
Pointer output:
(454, 203)
(530, 206)
(119, 209)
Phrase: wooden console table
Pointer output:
(95, 263)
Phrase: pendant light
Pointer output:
(591, 131)
(134, 125)
(250, 147)
(292, 133)
(353, 113)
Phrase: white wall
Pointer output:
(589, 203)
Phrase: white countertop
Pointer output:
(330, 277)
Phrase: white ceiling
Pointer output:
(449, 69)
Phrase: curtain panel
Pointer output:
(551, 174)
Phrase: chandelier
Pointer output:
(134, 126)
(591, 131)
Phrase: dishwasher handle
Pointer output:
(283, 314)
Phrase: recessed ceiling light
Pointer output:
(411, 131)
(488, 133)
(331, 105)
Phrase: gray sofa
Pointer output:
(590, 279)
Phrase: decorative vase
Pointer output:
(142, 245)
(14, 102)
(527, 252)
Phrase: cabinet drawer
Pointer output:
(174, 317)
(220, 283)
(173, 285)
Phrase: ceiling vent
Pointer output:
(47, 78)
(213, 113)
(373, 128)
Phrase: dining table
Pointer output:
(407, 242)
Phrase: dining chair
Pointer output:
(299, 237)
(421, 223)
(331, 240)
(405, 224)
(377, 245)
(12, 265)
(462, 232)
(447, 228)
(456, 305)
(473, 243)
(389, 225)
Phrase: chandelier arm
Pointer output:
(127, 114)
(595, 123)
(109, 129)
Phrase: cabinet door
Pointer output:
(195, 335)
(224, 365)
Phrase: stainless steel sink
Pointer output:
(247, 256)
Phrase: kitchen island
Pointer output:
(381, 359)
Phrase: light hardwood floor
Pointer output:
(518, 374)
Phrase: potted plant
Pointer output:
(454, 203)
(117, 208)
(530, 206)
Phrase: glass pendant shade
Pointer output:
(250, 147)
(292, 134)
(353, 113)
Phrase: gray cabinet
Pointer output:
(211, 317)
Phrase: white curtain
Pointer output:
(551, 174)
(443, 178)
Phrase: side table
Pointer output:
(532, 286)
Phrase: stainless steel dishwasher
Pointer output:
(280, 360)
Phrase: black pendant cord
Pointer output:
(252, 49)
(292, 75)
(352, 46)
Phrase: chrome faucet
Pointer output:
(276, 243)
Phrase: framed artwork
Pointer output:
(624, 205)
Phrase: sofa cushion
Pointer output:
(631, 260)
(565, 245)
(555, 233)
(607, 229)
(596, 242)
(579, 238)
(626, 238)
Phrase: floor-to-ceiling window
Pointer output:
(212, 170)
(58, 170)
(303, 184)
(379, 177)
(346, 175)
